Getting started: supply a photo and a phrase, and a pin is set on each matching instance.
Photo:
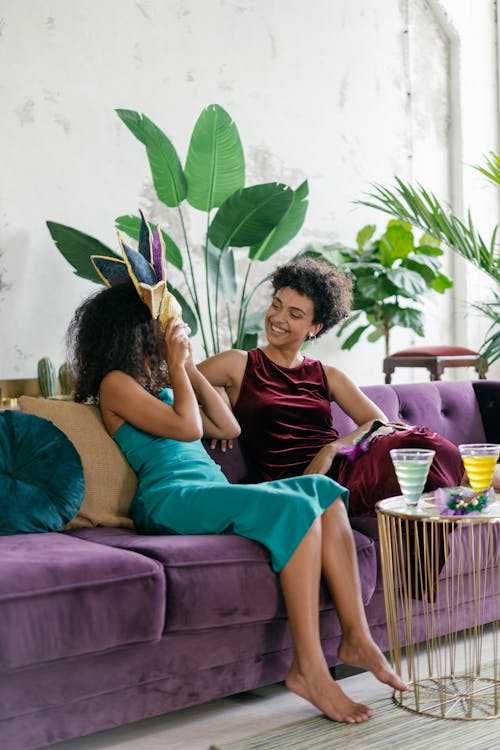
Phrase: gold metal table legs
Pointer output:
(441, 580)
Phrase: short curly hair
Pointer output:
(329, 290)
(113, 330)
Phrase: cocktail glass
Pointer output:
(412, 466)
(479, 460)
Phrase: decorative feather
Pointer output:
(462, 501)
(363, 442)
(145, 240)
(111, 270)
(158, 254)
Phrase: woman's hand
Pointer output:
(177, 344)
(224, 445)
(322, 461)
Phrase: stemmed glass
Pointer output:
(479, 460)
(412, 467)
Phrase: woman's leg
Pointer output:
(309, 675)
(340, 569)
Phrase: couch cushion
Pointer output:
(62, 597)
(41, 476)
(220, 580)
(109, 481)
(449, 408)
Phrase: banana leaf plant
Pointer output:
(423, 209)
(260, 218)
(392, 275)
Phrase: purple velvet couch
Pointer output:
(102, 626)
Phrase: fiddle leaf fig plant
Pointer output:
(391, 275)
(424, 210)
(261, 218)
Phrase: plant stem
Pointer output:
(243, 306)
(194, 293)
(217, 277)
(207, 290)
(229, 325)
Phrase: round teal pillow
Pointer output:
(41, 475)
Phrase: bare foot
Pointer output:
(323, 692)
(366, 654)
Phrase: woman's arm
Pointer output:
(226, 370)
(123, 399)
(217, 418)
(362, 410)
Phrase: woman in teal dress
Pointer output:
(123, 361)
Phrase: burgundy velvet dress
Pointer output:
(285, 418)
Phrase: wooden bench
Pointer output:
(435, 359)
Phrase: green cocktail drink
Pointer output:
(412, 466)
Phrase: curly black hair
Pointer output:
(113, 330)
(329, 290)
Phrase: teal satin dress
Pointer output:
(181, 490)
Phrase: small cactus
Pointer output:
(65, 379)
(46, 377)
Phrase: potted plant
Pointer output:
(260, 218)
(391, 274)
(422, 209)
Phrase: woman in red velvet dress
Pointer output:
(281, 397)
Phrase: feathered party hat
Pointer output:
(146, 267)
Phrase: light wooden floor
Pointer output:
(228, 719)
(242, 715)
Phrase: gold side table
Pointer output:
(441, 578)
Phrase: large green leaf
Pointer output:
(221, 270)
(354, 337)
(364, 235)
(396, 243)
(166, 169)
(375, 287)
(248, 215)
(408, 283)
(77, 247)
(375, 335)
(429, 250)
(246, 341)
(409, 317)
(131, 226)
(429, 268)
(428, 240)
(287, 227)
(362, 268)
(188, 315)
(215, 165)
(332, 254)
(254, 322)
(441, 283)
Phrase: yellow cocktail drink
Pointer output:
(479, 460)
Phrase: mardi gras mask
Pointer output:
(146, 267)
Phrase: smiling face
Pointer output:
(289, 319)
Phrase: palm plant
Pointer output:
(422, 209)
(262, 218)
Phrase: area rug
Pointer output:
(390, 727)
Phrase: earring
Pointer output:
(311, 337)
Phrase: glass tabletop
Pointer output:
(426, 510)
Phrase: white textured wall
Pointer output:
(342, 92)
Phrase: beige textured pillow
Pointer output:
(109, 481)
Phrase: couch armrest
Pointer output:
(488, 399)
